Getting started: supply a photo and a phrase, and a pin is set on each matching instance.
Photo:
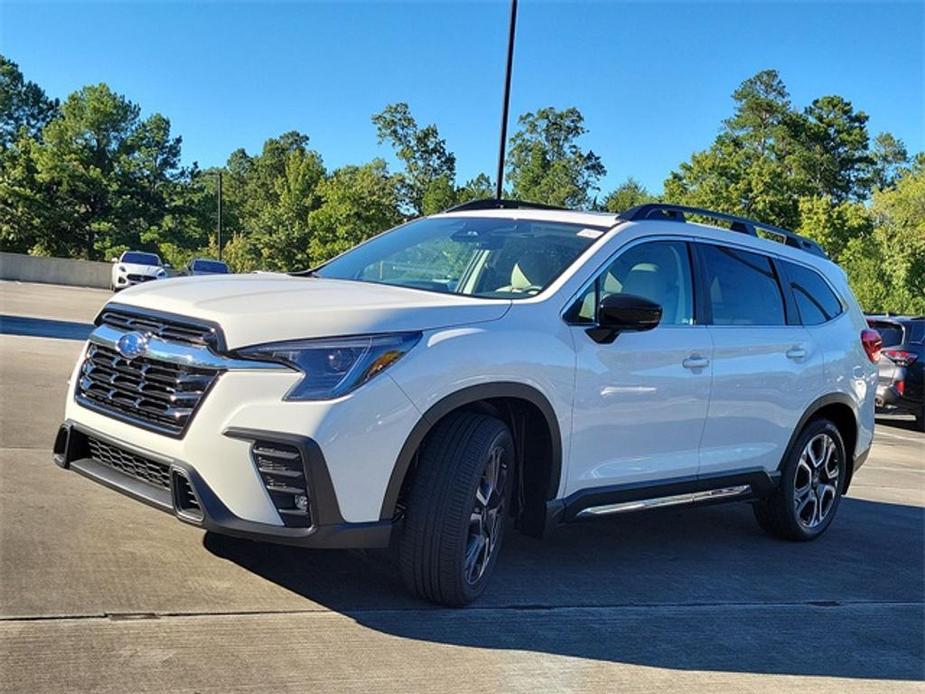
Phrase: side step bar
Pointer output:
(662, 501)
(595, 502)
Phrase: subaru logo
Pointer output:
(132, 345)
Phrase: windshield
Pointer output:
(485, 257)
(210, 266)
(140, 258)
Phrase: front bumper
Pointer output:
(188, 497)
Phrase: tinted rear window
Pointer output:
(210, 266)
(916, 330)
(742, 287)
(891, 333)
(816, 301)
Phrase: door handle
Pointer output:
(796, 353)
(695, 361)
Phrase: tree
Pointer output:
(101, 177)
(626, 195)
(890, 157)
(427, 183)
(359, 202)
(834, 155)
(24, 106)
(545, 163)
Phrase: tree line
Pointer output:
(90, 177)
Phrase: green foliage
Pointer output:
(545, 163)
(98, 178)
(359, 202)
(430, 169)
(626, 195)
(24, 107)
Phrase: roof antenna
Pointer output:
(507, 98)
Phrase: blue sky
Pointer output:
(652, 79)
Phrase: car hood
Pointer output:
(136, 269)
(269, 307)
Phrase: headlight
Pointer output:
(332, 367)
(121, 268)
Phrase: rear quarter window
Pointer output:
(815, 299)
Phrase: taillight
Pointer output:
(900, 357)
(900, 388)
(870, 338)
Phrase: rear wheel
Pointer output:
(920, 420)
(456, 507)
(811, 485)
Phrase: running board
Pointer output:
(594, 502)
(662, 501)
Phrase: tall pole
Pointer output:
(507, 98)
(218, 194)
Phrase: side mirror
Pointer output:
(618, 313)
(167, 266)
(113, 260)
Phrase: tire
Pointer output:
(811, 485)
(920, 420)
(441, 550)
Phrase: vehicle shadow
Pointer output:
(894, 421)
(44, 327)
(702, 589)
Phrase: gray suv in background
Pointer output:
(902, 366)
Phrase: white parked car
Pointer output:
(498, 364)
(135, 267)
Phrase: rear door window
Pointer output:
(815, 300)
(741, 287)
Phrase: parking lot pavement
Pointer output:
(98, 592)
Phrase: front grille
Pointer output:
(144, 469)
(283, 473)
(156, 394)
(173, 329)
(139, 278)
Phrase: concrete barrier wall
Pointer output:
(33, 268)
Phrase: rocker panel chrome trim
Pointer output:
(674, 500)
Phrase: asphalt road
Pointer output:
(100, 593)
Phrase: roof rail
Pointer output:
(665, 211)
(495, 204)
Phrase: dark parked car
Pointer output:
(902, 365)
(204, 266)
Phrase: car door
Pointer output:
(641, 401)
(767, 369)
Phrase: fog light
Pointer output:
(301, 502)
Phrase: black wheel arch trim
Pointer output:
(461, 398)
(812, 411)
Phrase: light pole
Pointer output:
(507, 98)
(218, 207)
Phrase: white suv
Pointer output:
(135, 267)
(498, 363)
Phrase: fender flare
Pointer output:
(460, 398)
(811, 411)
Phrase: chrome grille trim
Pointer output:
(161, 389)
(151, 393)
(181, 354)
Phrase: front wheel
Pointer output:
(456, 507)
(811, 485)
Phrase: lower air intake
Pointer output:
(282, 471)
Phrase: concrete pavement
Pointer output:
(100, 593)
